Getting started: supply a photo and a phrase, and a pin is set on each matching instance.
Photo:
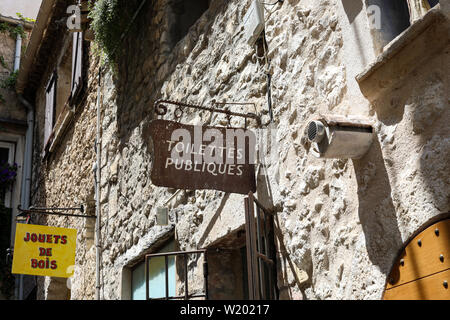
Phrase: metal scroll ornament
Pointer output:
(202, 157)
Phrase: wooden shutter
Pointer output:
(77, 64)
(260, 251)
(50, 101)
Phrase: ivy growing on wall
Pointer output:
(23, 18)
(10, 81)
(4, 65)
(12, 30)
(3, 62)
(109, 20)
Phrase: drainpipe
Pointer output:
(28, 156)
(26, 185)
(97, 176)
(26, 174)
(18, 51)
(26, 180)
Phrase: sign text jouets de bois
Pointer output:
(43, 250)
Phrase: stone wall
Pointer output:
(9, 107)
(13, 119)
(64, 178)
(339, 223)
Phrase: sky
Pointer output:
(28, 8)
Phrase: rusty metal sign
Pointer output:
(202, 157)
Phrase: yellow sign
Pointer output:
(44, 251)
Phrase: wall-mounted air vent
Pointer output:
(316, 131)
(334, 136)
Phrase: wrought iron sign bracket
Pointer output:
(56, 211)
(161, 109)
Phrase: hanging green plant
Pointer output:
(108, 22)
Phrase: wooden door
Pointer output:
(422, 271)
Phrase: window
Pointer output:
(415, 46)
(417, 8)
(63, 89)
(242, 265)
(77, 65)
(7, 150)
(433, 3)
(227, 264)
(50, 104)
(394, 19)
(260, 247)
(157, 277)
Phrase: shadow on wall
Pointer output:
(415, 137)
(151, 52)
(213, 220)
(376, 210)
(352, 8)
(284, 264)
(430, 115)
(57, 289)
(423, 106)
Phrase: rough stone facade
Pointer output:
(13, 123)
(8, 106)
(10, 109)
(339, 223)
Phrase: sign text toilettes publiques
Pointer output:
(201, 157)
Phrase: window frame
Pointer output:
(11, 146)
(261, 250)
(417, 11)
(77, 76)
(393, 19)
(50, 109)
(77, 84)
(141, 262)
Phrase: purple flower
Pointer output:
(8, 174)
